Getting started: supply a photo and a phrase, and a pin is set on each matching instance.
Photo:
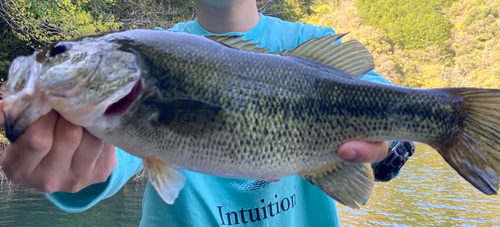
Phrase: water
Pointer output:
(28, 207)
(427, 193)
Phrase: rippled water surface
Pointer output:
(427, 193)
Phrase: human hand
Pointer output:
(54, 155)
(358, 151)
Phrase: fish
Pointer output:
(222, 105)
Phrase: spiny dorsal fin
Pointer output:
(351, 57)
(237, 42)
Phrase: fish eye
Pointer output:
(58, 49)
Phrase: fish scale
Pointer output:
(285, 96)
(221, 105)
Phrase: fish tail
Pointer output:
(474, 150)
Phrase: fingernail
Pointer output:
(349, 155)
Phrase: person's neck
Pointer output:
(236, 18)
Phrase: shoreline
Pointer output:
(3, 145)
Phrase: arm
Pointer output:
(54, 155)
(127, 166)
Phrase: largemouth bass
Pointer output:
(221, 105)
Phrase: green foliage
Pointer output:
(478, 10)
(469, 55)
(475, 42)
(51, 20)
(407, 23)
(344, 18)
(10, 48)
(292, 10)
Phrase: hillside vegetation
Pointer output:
(423, 44)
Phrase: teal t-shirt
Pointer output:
(214, 201)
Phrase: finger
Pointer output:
(23, 156)
(86, 156)
(67, 137)
(361, 152)
(105, 164)
(53, 171)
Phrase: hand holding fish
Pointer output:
(55, 155)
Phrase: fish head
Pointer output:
(21, 104)
(81, 80)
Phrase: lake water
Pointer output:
(427, 193)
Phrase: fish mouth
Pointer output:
(19, 70)
(23, 103)
(11, 132)
(124, 103)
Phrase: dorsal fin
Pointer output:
(351, 57)
(237, 42)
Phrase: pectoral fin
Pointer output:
(348, 183)
(167, 181)
(184, 111)
(188, 116)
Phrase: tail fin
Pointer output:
(475, 150)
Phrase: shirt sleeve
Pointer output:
(127, 166)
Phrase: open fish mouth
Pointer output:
(124, 103)
(10, 132)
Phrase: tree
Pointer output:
(409, 24)
(50, 20)
(10, 47)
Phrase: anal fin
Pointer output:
(348, 183)
(167, 181)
